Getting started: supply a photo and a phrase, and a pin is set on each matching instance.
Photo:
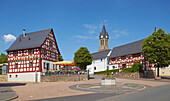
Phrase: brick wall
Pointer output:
(3, 78)
(57, 78)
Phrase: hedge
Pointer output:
(104, 72)
(127, 70)
(136, 67)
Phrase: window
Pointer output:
(53, 66)
(32, 51)
(10, 76)
(15, 53)
(29, 51)
(45, 52)
(94, 68)
(113, 67)
(42, 51)
(16, 76)
(50, 43)
(44, 64)
(16, 65)
(55, 55)
(30, 64)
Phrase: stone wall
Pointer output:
(56, 78)
(134, 75)
(3, 78)
(150, 74)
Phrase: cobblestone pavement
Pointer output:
(119, 88)
(6, 93)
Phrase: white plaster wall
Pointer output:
(23, 77)
(111, 66)
(50, 65)
(164, 71)
(100, 65)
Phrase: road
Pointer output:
(161, 93)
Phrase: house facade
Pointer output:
(126, 55)
(31, 54)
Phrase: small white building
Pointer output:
(100, 61)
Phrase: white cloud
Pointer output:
(91, 29)
(118, 33)
(85, 37)
(81, 37)
(9, 38)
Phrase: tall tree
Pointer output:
(60, 58)
(82, 58)
(156, 49)
(3, 58)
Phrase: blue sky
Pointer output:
(78, 23)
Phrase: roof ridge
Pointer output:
(128, 43)
(38, 31)
(101, 51)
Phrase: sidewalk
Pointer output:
(42, 90)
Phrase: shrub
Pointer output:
(114, 70)
(137, 67)
(127, 70)
(101, 72)
(0, 72)
(57, 70)
(104, 72)
(107, 71)
(75, 70)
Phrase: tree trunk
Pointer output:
(158, 71)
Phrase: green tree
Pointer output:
(60, 58)
(82, 58)
(156, 49)
(3, 58)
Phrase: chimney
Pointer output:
(155, 28)
(24, 33)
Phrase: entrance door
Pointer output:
(48, 66)
(124, 65)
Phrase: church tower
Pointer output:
(103, 37)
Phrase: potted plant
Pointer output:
(75, 71)
(57, 71)
(108, 80)
(49, 72)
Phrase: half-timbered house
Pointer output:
(126, 55)
(31, 54)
